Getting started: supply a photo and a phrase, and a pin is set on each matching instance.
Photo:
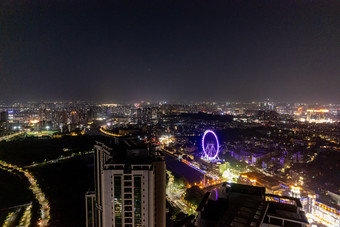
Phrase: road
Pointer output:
(58, 159)
(40, 196)
(45, 209)
(174, 195)
(10, 136)
(109, 133)
(11, 218)
(26, 217)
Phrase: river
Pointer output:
(191, 175)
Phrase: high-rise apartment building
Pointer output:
(129, 185)
(4, 116)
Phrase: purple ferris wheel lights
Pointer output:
(210, 152)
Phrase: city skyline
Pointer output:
(169, 113)
(175, 51)
(106, 157)
(11, 104)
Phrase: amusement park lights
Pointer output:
(210, 152)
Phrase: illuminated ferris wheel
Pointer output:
(210, 145)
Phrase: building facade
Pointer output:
(129, 185)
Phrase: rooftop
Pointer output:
(244, 205)
(128, 150)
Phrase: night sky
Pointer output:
(178, 51)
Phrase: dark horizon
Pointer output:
(232, 102)
(177, 51)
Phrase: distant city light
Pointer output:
(34, 121)
(318, 110)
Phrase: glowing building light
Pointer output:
(34, 121)
(318, 110)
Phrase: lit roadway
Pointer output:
(58, 159)
(45, 213)
(26, 217)
(44, 205)
(109, 133)
(175, 199)
(10, 136)
(174, 195)
(12, 217)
